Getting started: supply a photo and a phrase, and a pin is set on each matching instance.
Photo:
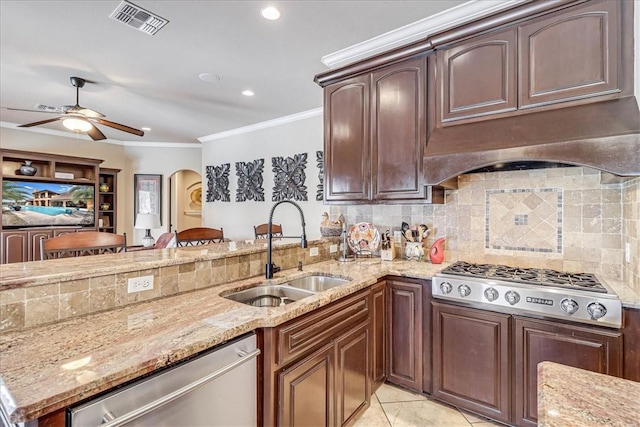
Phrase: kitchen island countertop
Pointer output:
(591, 400)
(47, 368)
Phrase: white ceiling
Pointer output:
(152, 81)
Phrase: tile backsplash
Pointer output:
(562, 218)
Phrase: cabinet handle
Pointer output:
(137, 413)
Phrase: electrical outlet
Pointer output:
(397, 236)
(313, 252)
(139, 284)
(333, 249)
(627, 252)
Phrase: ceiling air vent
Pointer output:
(138, 18)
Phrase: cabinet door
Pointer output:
(346, 146)
(378, 335)
(570, 55)
(471, 359)
(398, 136)
(588, 348)
(35, 238)
(477, 78)
(353, 373)
(404, 357)
(306, 391)
(15, 246)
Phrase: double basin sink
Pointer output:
(279, 295)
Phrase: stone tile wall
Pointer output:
(562, 218)
(631, 232)
(32, 306)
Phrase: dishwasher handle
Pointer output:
(121, 420)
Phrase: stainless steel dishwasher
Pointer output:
(217, 388)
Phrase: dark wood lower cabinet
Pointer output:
(589, 348)
(404, 317)
(353, 373)
(471, 359)
(307, 391)
(378, 333)
(316, 370)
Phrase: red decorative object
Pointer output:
(436, 253)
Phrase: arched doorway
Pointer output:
(185, 200)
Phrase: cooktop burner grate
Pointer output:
(532, 276)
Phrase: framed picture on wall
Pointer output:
(147, 193)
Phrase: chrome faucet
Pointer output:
(271, 267)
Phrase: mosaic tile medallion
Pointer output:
(526, 219)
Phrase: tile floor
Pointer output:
(393, 406)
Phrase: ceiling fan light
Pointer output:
(77, 125)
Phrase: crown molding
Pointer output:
(466, 12)
(262, 125)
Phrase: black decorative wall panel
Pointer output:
(218, 183)
(250, 181)
(289, 178)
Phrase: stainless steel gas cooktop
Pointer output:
(578, 297)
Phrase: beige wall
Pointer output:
(131, 160)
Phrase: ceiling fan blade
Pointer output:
(118, 126)
(95, 134)
(32, 111)
(41, 122)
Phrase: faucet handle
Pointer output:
(275, 268)
(299, 265)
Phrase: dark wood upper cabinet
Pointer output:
(582, 347)
(570, 54)
(375, 134)
(477, 77)
(398, 135)
(346, 148)
(471, 359)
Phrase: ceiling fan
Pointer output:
(78, 118)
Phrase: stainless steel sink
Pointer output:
(316, 283)
(269, 295)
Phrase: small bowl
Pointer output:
(105, 206)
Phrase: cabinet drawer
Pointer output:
(311, 332)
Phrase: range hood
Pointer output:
(603, 135)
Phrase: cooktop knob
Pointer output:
(596, 310)
(445, 287)
(512, 297)
(568, 305)
(491, 294)
(464, 290)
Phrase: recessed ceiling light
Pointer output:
(209, 78)
(270, 13)
(146, 128)
(248, 93)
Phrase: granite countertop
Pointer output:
(50, 367)
(592, 400)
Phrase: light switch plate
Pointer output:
(313, 252)
(139, 284)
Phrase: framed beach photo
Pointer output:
(147, 194)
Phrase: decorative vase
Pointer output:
(436, 253)
(27, 169)
(104, 187)
(413, 251)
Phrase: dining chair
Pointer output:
(199, 236)
(261, 230)
(82, 243)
